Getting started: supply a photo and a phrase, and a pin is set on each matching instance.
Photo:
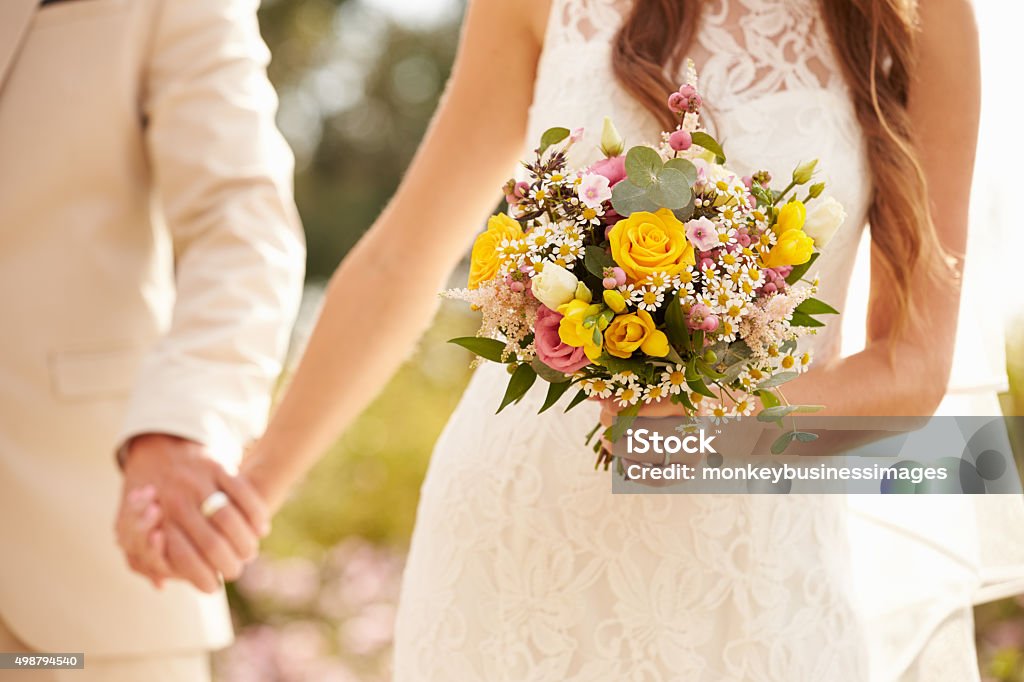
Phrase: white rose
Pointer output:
(824, 216)
(554, 286)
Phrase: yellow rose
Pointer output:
(626, 333)
(791, 217)
(573, 333)
(646, 243)
(793, 248)
(485, 261)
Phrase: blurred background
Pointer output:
(358, 81)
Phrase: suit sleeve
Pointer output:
(222, 175)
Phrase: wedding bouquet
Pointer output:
(658, 274)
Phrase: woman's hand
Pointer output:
(141, 537)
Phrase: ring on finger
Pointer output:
(213, 503)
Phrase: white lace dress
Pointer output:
(523, 565)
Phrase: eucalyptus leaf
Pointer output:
(686, 167)
(773, 414)
(519, 383)
(643, 165)
(782, 442)
(702, 139)
(670, 189)
(552, 136)
(805, 436)
(489, 349)
(800, 270)
(768, 399)
(628, 199)
(777, 380)
(686, 212)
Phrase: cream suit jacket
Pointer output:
(151, 263)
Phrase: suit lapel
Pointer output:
(15, 17)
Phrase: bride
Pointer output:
(523, 566)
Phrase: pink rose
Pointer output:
(550, 348)
(614, 169)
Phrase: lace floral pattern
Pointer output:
(523, 565)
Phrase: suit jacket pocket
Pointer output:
(94, 374)
(63, 11)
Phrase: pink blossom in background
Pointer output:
(550, 349)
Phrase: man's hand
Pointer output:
(178, 476)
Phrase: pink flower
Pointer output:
(702, 318)
(550, 348)
(702, 234)
(594, 190)
(613, 168)
(677, 103)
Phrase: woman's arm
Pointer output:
(384, 294)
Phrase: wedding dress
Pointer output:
(523, 565)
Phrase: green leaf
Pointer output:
(670, 189)
(813, 306)
(695, 382)
(552, 376)
(776, 413)
(686, 167)
(702, 139)
(782, 442)
(707, 370)
(596, 259)
(628, 199)
(800, 270)
(768, 399)
(800, 319)
(675, 326)
(551, 137)
(614, 364)
(808, 408)
(777, 380)
(489, 349)
(555, 391)
(520, 382)
(576, 400)
(643, 165)
(686, 212)
(682, 399)
(623, 420)
(805, 436)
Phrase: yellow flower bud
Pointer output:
(628, 333)
(612, 143)
(583, 293)
(614, 300)
(802, 174)
(793, 248)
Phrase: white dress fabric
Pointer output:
(523, 565)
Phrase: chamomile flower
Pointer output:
(662, 281)
(597, 388)
(743, 407)
(647, 298)
(727, 235)
(674, 379)
(653, 394)
(626, 377)
(627, 395)
(718, 413)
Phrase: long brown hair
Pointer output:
(875, 44)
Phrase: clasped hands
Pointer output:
(162, 525)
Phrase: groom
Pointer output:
(150, 268)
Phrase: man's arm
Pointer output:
(222, 176)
